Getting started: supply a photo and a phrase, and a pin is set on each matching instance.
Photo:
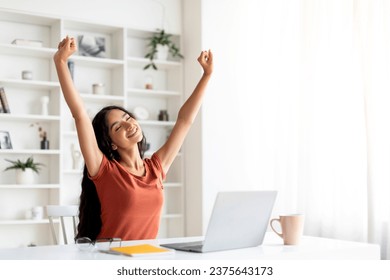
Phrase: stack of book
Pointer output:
(25, 42)
(4, 106)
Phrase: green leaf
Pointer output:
(160, 38)
(29, 163)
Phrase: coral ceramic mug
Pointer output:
(292, 228)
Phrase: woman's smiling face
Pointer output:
(124, 130)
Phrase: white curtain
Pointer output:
(375, 42)
(319, 130)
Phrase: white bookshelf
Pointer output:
(122, 73)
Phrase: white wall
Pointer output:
(192, 41)
(224, 158)
(143, 14)
(218, 140)
(229, 132)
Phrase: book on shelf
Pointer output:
(25, 42)
(141, 250)
(1, 107)
(4, 101)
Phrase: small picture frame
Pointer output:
(92, 46)
(5, 140)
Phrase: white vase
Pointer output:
(162, 52)
(25, 177)
(45, 105)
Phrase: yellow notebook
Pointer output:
(141, 250)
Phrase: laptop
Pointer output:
(238, 220)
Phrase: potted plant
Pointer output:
(160, 45)
(24, 170)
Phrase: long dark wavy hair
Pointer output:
(90, 222)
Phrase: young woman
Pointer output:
(122, 192)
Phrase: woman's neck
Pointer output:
(132, 161)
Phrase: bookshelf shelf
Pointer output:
(42, 52)
(19, 83)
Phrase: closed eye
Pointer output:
(119, 126)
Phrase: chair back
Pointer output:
(62, 211)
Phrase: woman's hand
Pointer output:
(206, 61)
(65, 49)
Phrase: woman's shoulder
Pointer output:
(154, 159)
(155, 163)
(107, 165)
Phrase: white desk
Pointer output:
(272, 249)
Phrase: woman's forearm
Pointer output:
(65, 49)
(191, 106)
(72, 97)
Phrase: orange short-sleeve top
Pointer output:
(130, 205)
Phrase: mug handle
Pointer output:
(270, 223)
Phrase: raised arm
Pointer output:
(187, 114)
(89, 148)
